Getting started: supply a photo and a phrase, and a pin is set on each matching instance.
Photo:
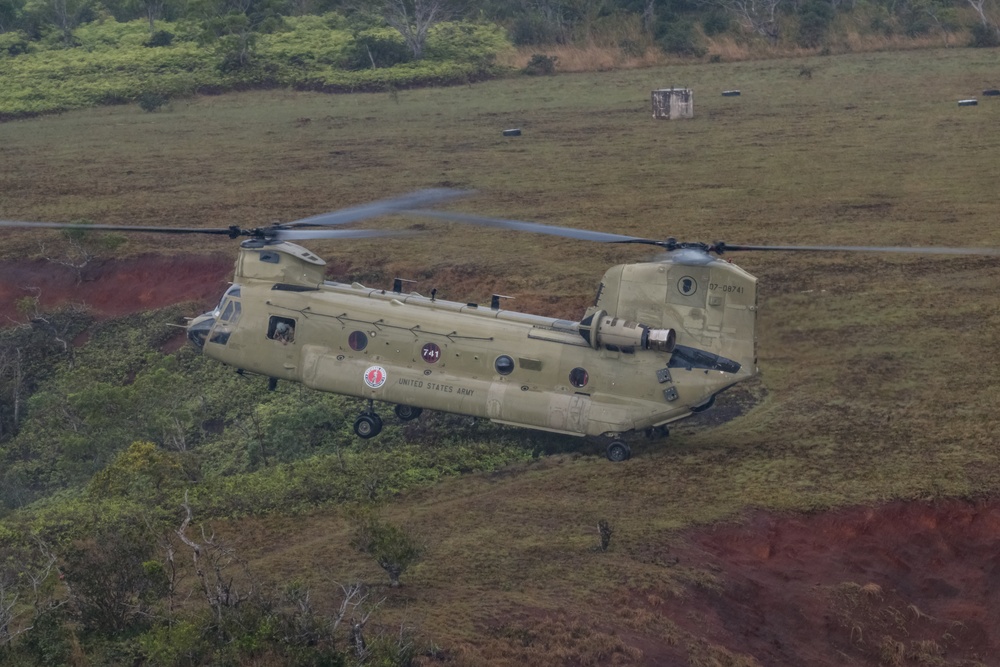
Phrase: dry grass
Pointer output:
(591, 58)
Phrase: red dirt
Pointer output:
(112, 288)
(907, 583)
(900, 584)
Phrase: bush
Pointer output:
(680, 37)
(532, 27)
(14, 43)
(984, 37)
(152, 101)
(632, 48)
(541, 64)
(716, 23)
(815, 18)
(160, 38)
(391, 546)
(377, 49)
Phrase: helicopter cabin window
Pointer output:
(578, 377)
(504, 365)
(357, 340)
(281, 329)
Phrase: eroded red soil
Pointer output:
(907, 583)
(112, 288)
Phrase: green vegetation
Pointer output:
(113, 63)
(73, 54)
(875, 385)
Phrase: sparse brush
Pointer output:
(605, 530)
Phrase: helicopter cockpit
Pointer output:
(216, 323)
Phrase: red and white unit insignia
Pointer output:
(375, 376)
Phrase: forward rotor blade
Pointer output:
(307, 234)
(726, 247)
(114, 228)
(536, 227)
(417, 199)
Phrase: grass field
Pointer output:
(879, 373)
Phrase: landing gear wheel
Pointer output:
(618, 451)
(368, 426)
(407, 412)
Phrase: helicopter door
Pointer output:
(283, 331)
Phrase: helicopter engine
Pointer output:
(615, 333)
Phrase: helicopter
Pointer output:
(661, 341)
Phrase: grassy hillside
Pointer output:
(877, 379)
(118, 63)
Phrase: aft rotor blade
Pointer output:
(308, 234)
(115, 228)
(417, 199)
(726, 247)
(536, 227)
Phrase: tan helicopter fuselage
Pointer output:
(616, 370)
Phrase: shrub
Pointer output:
(391, 546)
(532, 27)
(376, 49)
(984, 37)
(715, 23)
(815, 18)
(14, 43)
(680, 37)
(541, 64)
(632, 48)
(152, 101)
(160, 38)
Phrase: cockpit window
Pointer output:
(232, 293)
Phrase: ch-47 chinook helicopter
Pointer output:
(661, 341)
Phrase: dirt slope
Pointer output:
(112, 288)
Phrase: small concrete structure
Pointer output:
(673, 103)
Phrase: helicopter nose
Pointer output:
(197, 331)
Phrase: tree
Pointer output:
(413, 19)
(987, 33)
(235, 26)
(112, 578)
(68, 14)
(392, 547)
(27, 585)
(760, 16)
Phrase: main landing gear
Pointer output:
(407, 412)
(618, 451)
(369, 424)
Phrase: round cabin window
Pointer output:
(578, 377)
(504, 365)
(357, 340)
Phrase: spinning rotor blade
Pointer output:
(417, 199)
(308, 234)
(721, 247)
(537, 227)
(672, 245)
(115, 228)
